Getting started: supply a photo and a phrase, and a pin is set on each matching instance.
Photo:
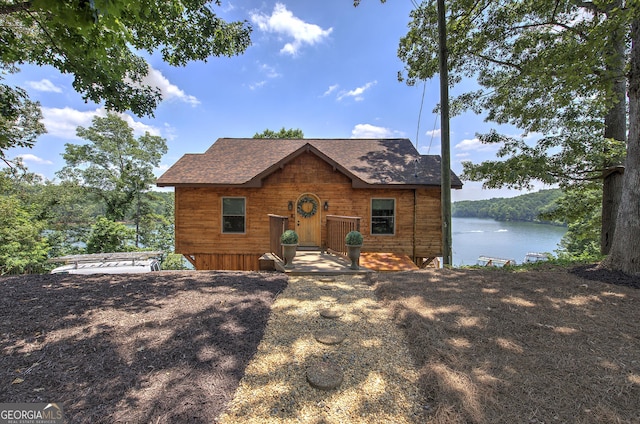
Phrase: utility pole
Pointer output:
(445, 144)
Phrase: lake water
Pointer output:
(473, 237)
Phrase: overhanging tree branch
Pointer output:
(7, 9)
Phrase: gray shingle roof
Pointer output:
(247, 161)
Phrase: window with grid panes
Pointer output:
(233, 214)
(383, 212)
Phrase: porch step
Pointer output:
(267, 262)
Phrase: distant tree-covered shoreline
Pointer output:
(531, 207)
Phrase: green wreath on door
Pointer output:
(302, 202)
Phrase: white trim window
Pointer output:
(383, 216)
(233, 215)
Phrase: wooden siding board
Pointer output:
(429, 224)
(198, 212)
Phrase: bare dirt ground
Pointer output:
(544, 346)
(490, 346)
(165, 347)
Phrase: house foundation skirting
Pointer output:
(225, 261)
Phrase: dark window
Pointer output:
(383, 216)
(233, 215)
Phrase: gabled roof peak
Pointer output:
(246, 161)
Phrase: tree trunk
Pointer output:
(625, 248)
(615, 127)
(611, 197)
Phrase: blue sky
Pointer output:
(326, 68)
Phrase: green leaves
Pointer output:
(22, 246)
(114, 165)
(40, 219)
(20, 118)
(577, 154)
(109, 236)
(283, 133)
(97, 41)
(536, 61)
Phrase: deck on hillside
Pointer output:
(384, 262)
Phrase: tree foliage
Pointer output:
(20, 118)
(580, 205)
(536, 68)
(565, 160)
(40, 219)
(115, 165)
(98, 42)
(534, 61)
(283, 133)
(552, 67)
(156, 232)
(109, 236)
(22, 245)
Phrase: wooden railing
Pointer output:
(277, 225)
(337, 229)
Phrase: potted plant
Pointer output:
(353, 241)
(289, 242)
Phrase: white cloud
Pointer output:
(138, 127)
(433, 133)
(428, 148)
(44, 85)
(169, 132)
(257, 85)
(228, 7)
(474, 145)
(283, 22)
(62, 122)
(169, 91)
(269, 71)
(330, 90)
(371, 131)
(35, 159)
(161, 169)
(357, 93)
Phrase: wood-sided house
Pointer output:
(226, 197)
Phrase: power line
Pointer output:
(424, 89)
(433, 133)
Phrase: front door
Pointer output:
(308, 220)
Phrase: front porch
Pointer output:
(331, 258)
(321, 263)
(328, 258)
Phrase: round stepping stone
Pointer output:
(327, 280)
(331, 313)
(325, 287)
(329, 337)
(324, 375)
